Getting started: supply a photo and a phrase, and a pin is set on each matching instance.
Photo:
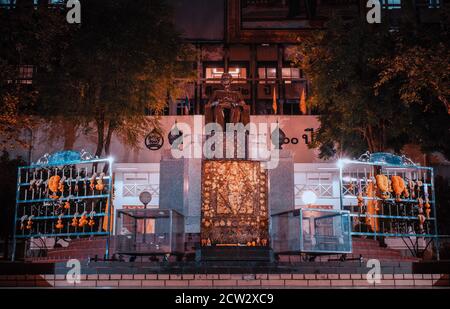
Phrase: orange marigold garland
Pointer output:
(83, 220)
(75, 220)
(92, 181)
(383, 185)
(100, 185)
(53, 185)
(91, 222)
(360, 196)
(399, 187)
(59, 224)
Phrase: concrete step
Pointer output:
(262, 254)
(89, 247)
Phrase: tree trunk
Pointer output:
(374, 139)
(70, 134)
(109, 134)
(100, 136)
(369, 139)
(99, 118)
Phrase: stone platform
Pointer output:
(227, 275)
(250, 254)
(253, 281)
(84, 248)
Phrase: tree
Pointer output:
(420, 65)
(9, 109)
(119, 62)
(30, 39)
(8, 181)
(360, 107)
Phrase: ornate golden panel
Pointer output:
(234, 203)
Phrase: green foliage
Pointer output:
(365, 98)
(121, 61)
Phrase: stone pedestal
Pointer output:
(281, 184)
(180, 189)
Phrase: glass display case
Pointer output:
(142, 232)
(319, 231)
(325, 231)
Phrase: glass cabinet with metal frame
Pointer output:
(312, 231)
(149, 232)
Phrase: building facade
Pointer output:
(254, 41)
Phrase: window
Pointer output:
(50, 2)
(434, 4)
(290, 74)
(135, 183)
(35, 2)
(214, 74)
(267, 75)
(26, 74)
(238, 73)
(291, 107)
(184, 106)
(391, 4)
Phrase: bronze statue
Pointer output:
(227, 106)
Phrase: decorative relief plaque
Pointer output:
(234, 203)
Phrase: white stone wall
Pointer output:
(322, 179)
(133, 178)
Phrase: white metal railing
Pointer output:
(321, 190)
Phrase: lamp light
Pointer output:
(309, 197)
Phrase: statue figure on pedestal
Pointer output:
(227, 106)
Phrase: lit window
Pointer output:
(213, 75)
(267, 75)
(290, 74)
(434, 4)
(51, 2)
(238, 73)
(392, 4)
(25, 74)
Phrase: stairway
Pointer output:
(90, 247)
(367, 248)
(81, 248)
(370, 248)
(248, 254)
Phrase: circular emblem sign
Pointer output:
(145, 197)
(154, 140)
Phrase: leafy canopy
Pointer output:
(376, 88)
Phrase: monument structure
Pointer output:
(226, 201)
